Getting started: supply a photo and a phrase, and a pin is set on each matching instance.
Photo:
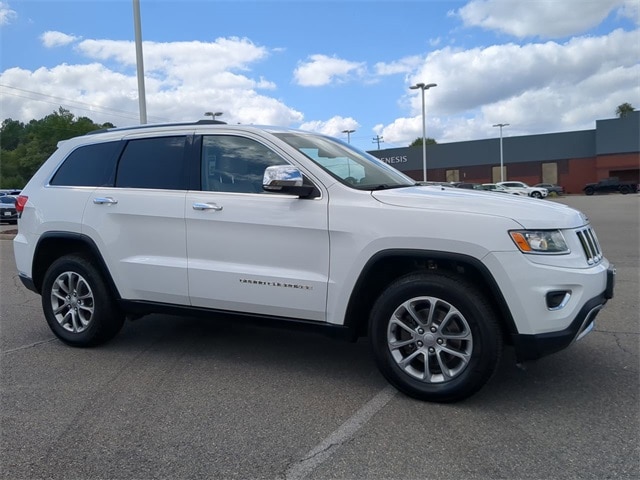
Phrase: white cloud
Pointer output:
(404, 65)
(56, 39)
(542, 18)
(537, 88)
(6, 14)
(322, 70)
(334, 126)
(182, 79)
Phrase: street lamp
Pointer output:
(424, 87)
(213, 115)
(348, 132)
(501, 155)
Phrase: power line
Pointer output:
(378, 139)
(76, 104)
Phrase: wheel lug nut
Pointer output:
(420, 344)
(420, 331)
(434, 329)
(432, 350)
(440, 341)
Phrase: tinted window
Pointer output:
(153, 163)
(10, 200)
(235, 164)
(88, 166)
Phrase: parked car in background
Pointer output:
(436, 184)
(551, 187)
(609, 185)
(493, 187)
(8, 212)
(525, 190)
(470, 186)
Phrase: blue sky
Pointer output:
(540, 65)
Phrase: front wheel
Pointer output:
(625, 190)
(77, 304)
(589, 191)
(435, 337)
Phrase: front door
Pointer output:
(249, 250)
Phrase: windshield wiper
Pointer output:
(386, 186)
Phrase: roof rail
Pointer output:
(151, 125)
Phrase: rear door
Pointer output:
(138, 222)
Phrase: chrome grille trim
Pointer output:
(590, 245)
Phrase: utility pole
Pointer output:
(378, 139)
(142, 100)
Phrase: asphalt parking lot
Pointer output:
(189, 398)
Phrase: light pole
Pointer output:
(501, 155)
(424, 87)
(142, 98)
(348, 132)
(213, 115)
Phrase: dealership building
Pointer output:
(570, 159)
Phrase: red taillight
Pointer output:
(21, 201)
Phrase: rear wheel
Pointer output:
(536, 194)
(589, 191)
(77, 304)
(434, 337)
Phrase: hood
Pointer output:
(531, 213)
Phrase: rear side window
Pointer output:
(88, 166)
(153, 163)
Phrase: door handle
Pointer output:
(207, 206)
(105, 201)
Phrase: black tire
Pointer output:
(536, 194)
(589, 191)
(625, 189)
(77, 303)
(423, 340)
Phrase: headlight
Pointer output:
(539, 241)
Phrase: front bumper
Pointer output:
(533, 347)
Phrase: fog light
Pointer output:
(557, 299)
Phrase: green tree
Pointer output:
(11, 134)
(23, 148)
(418, 142)
(624, 109)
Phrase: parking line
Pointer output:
(344, 433)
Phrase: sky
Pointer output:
(540, 66)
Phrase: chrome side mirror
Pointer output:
(279, 176)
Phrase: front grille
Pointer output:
(590, 245)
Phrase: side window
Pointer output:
(235, 164)
(89, 166)
(153, 163)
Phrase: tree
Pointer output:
(418, 142)
(11, 134)
(23, 148)
(624, 109)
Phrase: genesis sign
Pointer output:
(395, 160)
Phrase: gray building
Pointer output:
(570, 159)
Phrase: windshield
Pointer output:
(349, 165)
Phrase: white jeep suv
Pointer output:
(290, 227)
(522, 188)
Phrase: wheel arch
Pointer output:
(53, 245)
(386, 266)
